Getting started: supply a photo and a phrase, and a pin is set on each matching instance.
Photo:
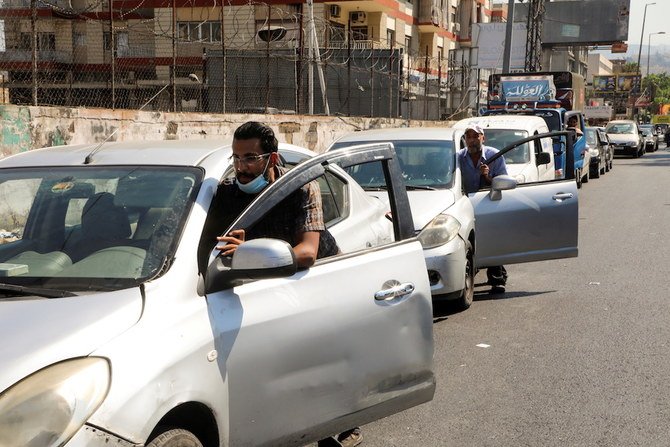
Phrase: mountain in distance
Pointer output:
(659, 61)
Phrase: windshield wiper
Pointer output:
(414, 187)
(37, 291)
(374, 188)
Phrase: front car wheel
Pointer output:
(176, 437)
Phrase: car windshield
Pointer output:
(426, 164)
(499, 138)
(90, 227)
(620, 128)
(647, 132)
(591, 136)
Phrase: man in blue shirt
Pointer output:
(476, 175)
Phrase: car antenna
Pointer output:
(89, 157)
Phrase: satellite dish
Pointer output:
(272, 33)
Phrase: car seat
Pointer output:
(103, 225)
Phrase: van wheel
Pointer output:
(468, 293)
(175, 437)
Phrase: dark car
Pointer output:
(650, 137)
(598, 148)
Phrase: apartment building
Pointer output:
(121, 53)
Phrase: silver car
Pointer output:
(503, 225)
(128, 329)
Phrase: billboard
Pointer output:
(604, 83)
(627, 82)
(490, 39)
(586, 22)
(527, 88)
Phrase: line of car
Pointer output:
(129, 329)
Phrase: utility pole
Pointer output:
(508, 36)
(534, 23)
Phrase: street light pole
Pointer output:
(639, 52)
(649, 48)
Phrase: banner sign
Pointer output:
(527, 88)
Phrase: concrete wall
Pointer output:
(24, 128)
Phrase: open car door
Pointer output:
(527, 222)
(310, 353)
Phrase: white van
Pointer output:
(523, 163)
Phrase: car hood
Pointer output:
(425, 205)
(623, 138)
(46, 331)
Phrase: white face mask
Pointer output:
(258, 184)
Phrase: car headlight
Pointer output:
(439, 231)
(48, 407)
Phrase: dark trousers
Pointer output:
(497, 275)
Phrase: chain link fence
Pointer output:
(219, 59)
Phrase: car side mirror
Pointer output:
(255, 259)
(500, 184)
(543, 158)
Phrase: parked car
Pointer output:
(506, 224)
(598, 152)
(650, 137)
(529, 162)
(609, 151)
(626, 138)
(118, 338)
(660, 131)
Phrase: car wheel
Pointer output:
(468, 293)
(578, 178)
(595, 172)
(175, 437)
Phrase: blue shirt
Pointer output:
(472, 179)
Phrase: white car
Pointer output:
(114, 336)
(529, 162)
(459, 232)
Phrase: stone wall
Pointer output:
(25, 128)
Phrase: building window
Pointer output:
(390, 38)
(199, 31)
(336, 33)
(359, 32)
(45, 41)
(78, 39)
(121, 38)
(408, 44)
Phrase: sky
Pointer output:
(658, 19)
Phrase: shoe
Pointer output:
(497, 289)
(349, 438)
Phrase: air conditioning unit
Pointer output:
(335, 11)
(357, 17)
(457, 27)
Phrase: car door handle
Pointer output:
(561, 196)
(396, 291)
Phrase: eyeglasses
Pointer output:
(251, 159)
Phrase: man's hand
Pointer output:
(484, 171)
(230, 242)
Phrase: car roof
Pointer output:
(502, 122)
(158, 152)
(400, 133)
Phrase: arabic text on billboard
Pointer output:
(528, 88)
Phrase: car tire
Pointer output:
(468, 292)
(176, 437)
(578, 178)
(595, 172)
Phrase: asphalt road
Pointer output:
(577, 352)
